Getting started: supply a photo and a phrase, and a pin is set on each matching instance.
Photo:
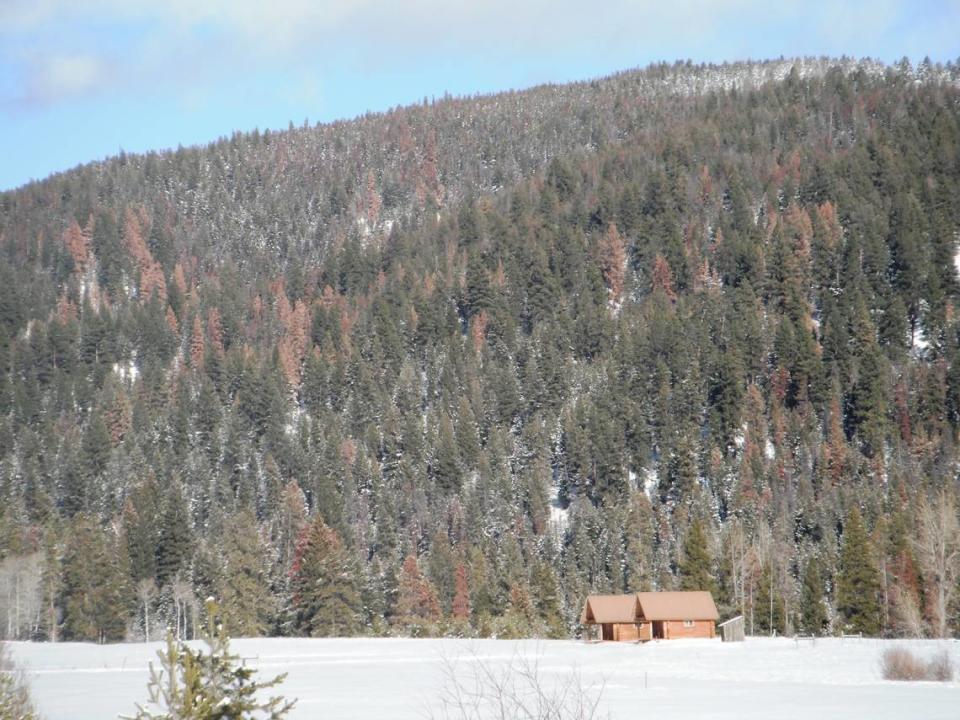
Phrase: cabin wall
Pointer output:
(675, 629)
(630, 632)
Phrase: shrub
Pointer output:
(898, 663)
(940, 667)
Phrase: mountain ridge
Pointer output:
(449, 368)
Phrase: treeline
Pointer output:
(714, 346)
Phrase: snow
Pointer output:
(370, 678)
(127, 370)
(650, 481)
(559, 515)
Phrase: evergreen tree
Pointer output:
(175, 543)
(460, 609)
(208, 684)
(418, 608)
(858, 584)
(546, 599)
(326, 600)
(94, 592)
(244, 589)
(696, 567)
(813, 613)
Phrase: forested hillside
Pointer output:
(449, 368)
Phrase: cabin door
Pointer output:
(607, 631)
(658, 629)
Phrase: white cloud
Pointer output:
(59, 76)
(184, 41)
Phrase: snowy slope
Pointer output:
(370, 679)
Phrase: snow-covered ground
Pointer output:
(370, 679)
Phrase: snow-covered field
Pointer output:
(398, 678)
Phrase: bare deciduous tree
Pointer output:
(146, 591)
(938, 549)
(20, 598)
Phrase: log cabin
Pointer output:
(652, 616)
(614, 615)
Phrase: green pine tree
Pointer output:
(94, 591)
(244, 581)
(696, 568)
(813, 613)
(324, 584)
(858, 584)
(208, 683)
(175, 543)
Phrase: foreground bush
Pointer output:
(898, 663)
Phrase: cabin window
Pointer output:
(688, 623)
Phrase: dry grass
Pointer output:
(898, 663)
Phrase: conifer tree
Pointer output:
(208, 684)
(858, 584)
(244, 589)
(461, 609)
(324, 584)
(813, 613)
(94, 592)
(546, 598)
(175, 542)
(418, 608)
(696, 567)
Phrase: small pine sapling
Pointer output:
(208, 684)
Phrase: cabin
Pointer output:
(652, 616)
(673, 615)
(614, 615)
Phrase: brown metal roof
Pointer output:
(690, 605)
(609, 609)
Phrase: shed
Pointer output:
(733, 630)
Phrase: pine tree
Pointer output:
(324, 584)
(696, 568)
(418, 608)
(546, 598)
(175, 542)
(613, 261)
(94, 593)
(869, 401)
(858, 584)
(813, 613)
(461, 609)
(244, 589)
(208, 684)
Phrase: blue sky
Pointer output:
(81, 79)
